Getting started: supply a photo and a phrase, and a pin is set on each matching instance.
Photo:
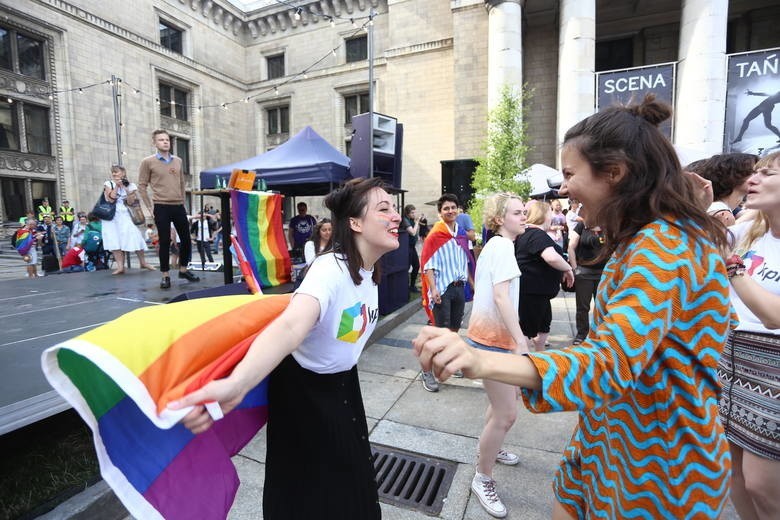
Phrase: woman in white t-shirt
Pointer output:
(748, 367)
(318, 459)
(494, 326)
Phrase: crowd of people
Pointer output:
(674, 369)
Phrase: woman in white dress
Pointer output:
(119, 233)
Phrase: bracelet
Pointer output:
(735, 266)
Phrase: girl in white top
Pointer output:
(120, 234)
(494, 326)
(318, 459)
(320, 240)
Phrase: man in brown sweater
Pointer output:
(162, 172)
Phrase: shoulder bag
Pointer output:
(104, 209)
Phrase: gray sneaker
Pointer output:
(429, 381)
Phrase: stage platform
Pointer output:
(36, 314)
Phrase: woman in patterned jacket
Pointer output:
(649, 443)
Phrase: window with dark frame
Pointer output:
(36, 125)
(615, 54)
(21, 53)
(173, 102)
(357, 49)
(9, 126)
(275, 66)
(278, 120)
(171, 37)
(180, 147)
(353, 105)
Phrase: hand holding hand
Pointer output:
(223, 391)
(445, 352)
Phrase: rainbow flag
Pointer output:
(23, 241)
(257, 221)
(120, 378)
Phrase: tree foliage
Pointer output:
(504, 152)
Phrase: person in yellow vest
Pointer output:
(44, 209)
(66, 212)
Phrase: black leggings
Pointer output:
(164, 215)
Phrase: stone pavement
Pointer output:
(401, 414)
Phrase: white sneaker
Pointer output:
(485, 489)
(507, 457)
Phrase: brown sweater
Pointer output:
(166, 181)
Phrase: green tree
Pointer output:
(504, 152)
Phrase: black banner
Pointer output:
(753, 92)
(620, 87)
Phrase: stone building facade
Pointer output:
(231, 79)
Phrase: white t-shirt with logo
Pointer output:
(762, 262)
(348, 315)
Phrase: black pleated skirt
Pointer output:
(318, 462)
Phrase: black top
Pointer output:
(412, 238)
(537, 275)
(589, 246)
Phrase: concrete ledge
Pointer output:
(96, 502)
(393, 320)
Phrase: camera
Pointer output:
(125, 183)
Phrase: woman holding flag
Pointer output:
(318, 462)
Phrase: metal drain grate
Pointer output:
(412, 481)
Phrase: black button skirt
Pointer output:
(318, 461)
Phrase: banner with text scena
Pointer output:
(619, 87)
(753, 88)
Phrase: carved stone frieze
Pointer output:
(24, 86)
(28, 163)
(176, 125)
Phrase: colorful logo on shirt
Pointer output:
(752, 262)
(354, 321)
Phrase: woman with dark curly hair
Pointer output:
(729, 173)
(649, 441)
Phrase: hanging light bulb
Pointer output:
(333, 52)
(352, 21)
(124, 153)
(246, 100)
(81, 90)
(305, 76)
(51, 96)
(297, 14)
(10, 100)
(224, 106)
(276, 91)
(157, 100)
(136, 91)
(332, 21)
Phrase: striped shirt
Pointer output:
(450, 263)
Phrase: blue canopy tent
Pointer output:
(305, 165)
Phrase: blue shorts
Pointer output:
(480, 346)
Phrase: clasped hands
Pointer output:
(444, 352)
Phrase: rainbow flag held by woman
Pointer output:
(257, 221)
(120, 378)
(24, 239)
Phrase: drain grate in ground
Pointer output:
(410, 480)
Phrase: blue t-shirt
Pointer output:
(302, 226)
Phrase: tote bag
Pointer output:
(104, 210)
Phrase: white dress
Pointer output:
(120, 233)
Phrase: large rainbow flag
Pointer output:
(24, 239)
(257, 220)
(120, 378)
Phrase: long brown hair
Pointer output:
(654, 186)
(350, 201)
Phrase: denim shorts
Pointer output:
(480, 346)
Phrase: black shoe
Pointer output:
(187, 275)
(165, 283)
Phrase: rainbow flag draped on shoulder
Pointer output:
(257, 217)
(120, 378)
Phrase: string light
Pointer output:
(81, 90)
(51, 96)
(246, 99)
(332, 21)
(10, 100)
(276, 91)
(352, 21)
(333, 52)
(297, 14)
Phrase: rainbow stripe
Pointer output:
(23, 241)
(257, 217)
(120, 378)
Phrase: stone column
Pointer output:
(701, 76)
(576, 64)
(505, 47)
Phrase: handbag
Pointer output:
(104, 209)
(136, 213)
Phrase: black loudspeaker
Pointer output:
(385, 140)
(456, 177)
